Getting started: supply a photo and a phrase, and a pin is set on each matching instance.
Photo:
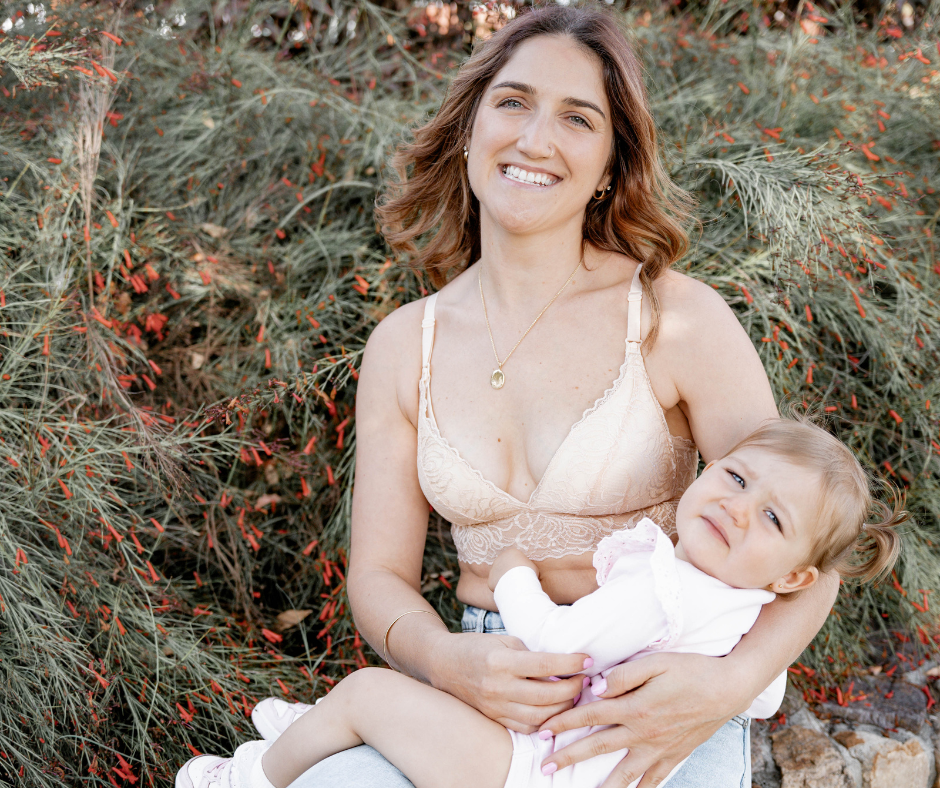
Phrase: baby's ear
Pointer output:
(797, 580)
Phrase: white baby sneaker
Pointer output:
(242, 770)
(272, 716)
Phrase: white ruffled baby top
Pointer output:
(647, 601)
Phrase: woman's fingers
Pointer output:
(608, 712)
(547, 693)
(538, 664)
(654, 776)
(630, 675)
(634, 765)
(599, 743)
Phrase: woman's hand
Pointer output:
(662, 706)
(508, 559)
(497, 675)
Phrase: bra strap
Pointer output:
(427, 332)
(635, 300)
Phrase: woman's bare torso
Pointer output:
(563, 366)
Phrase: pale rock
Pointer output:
(926, 739)
(851, 768)
(764, 772)
(804, 718)
(887, 763)
(808, 759)
(936, 751)
(917, 678)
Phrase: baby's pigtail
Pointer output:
(878, 545)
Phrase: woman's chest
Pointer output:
(511, 435)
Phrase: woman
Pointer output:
(546, 211)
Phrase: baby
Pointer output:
(788, 502)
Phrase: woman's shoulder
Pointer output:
(688, 295)
(398, 326)
(692, 312)
(391, 363)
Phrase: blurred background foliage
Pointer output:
(189, 268)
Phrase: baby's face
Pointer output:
(749, 521)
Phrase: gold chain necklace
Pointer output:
(498, 378)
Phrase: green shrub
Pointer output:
(176, 392)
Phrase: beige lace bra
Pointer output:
(618, 464)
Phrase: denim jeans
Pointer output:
(724, 761)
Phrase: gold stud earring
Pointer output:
(600, 194)
(466, 153)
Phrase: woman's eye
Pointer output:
(774, 519)
(737, 479)
(507, 102)
(579, 121)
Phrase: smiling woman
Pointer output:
(536, 201)
(641, 215)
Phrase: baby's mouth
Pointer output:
(717, 530)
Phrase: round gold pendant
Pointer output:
(497, 379)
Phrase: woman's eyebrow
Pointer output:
(530, 90)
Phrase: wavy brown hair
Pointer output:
(642, 217)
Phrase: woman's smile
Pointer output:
(528, 176)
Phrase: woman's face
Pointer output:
(541, 138)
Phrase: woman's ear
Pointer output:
(796, 580)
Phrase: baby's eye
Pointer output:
(774, 519)
(737, 479)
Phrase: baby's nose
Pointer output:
(736, 508)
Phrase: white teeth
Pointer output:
(524, 176)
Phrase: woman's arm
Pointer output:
(389, 513)
(704, 364)
(389, 528)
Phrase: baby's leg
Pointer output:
(435, 739)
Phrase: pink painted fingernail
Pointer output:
(549, 768)
(546, 734)
(588, 663)
(600, 687)
(584, 682)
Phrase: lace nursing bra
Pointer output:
(618, 464)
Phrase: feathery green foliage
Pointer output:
(176, 391)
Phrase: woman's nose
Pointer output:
(536, 138)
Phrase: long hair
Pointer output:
(642, 217)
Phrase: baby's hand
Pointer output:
(510, 558)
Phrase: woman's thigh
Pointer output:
(360, 767)
(364, 767)
(724, 761)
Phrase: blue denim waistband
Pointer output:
(476, 619)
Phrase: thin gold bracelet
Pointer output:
(385, 639)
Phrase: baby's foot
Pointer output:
(242, 770)
(272, 716)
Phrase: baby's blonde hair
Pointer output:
(846, 540)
